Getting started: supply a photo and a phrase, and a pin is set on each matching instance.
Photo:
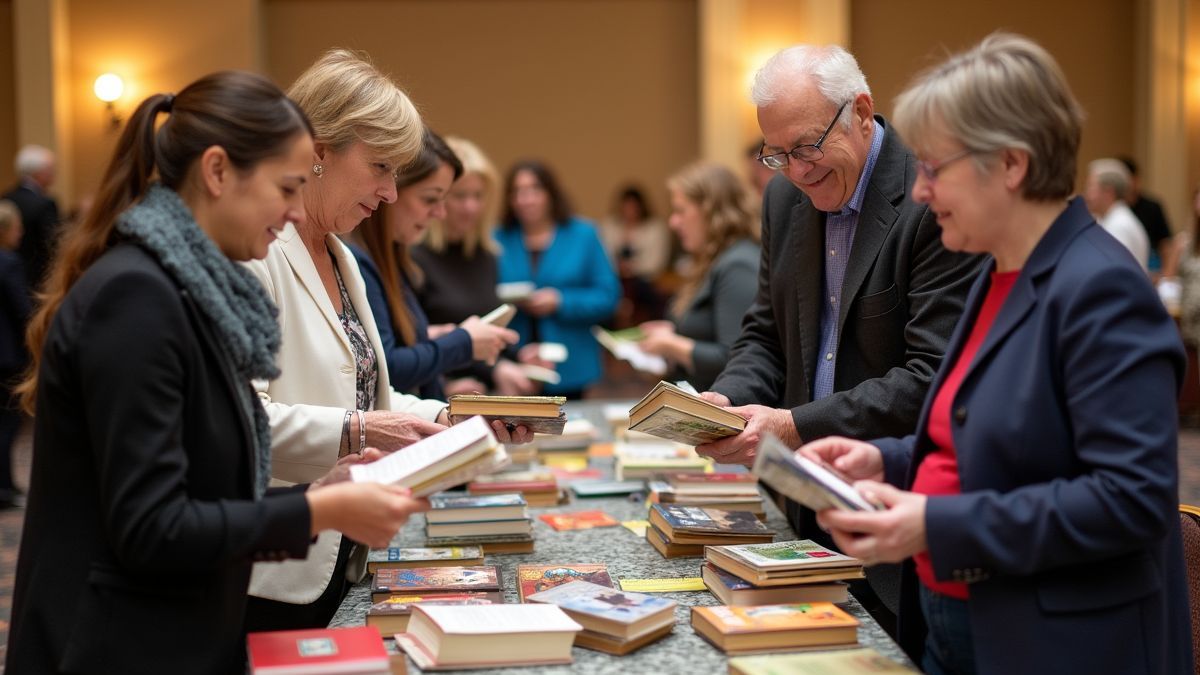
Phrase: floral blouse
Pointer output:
(366, 366)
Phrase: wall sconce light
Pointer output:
(108, 88)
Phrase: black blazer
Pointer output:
(714, 317)
(14, 314)
(140, 528)
(39, 215)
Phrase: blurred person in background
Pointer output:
(561, 254)
(1107, 187)
(15, 308)
(711, 216)
(639, 246)
(36, 170)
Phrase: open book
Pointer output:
(623, 345)
(454, 456)
(803, 480)
(675, 414)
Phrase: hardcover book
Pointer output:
(488, 636)
(733, 590)
(462, 556)
(696, 525)
(745, 630)
(318, 650)
(445, 459)
(672, 413)
(785, 564)
(419, 580)
(621, 614)
(490, 543)
(803, 480)
(542, 414)
(669, 549)
(537, 578)
(606, 488)
(471, 528)
(579, 520)
(449, 507)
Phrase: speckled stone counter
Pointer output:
(627, 556)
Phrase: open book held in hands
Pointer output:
(542, 414)
(803, 480)
(457, 455)
(623, 344)
(672, 413)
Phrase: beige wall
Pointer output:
(154, 45)
(605, 91)
(1093, 41)
(8, 111)
(1192, 97)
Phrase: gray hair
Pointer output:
(1007, 92)
(834, 70)
(32, 159)
(1112, 173)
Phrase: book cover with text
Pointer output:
(537, 578)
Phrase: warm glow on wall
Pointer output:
(108, 87)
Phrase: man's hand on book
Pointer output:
(389, 430)
(885, 536)
(367, 512)
(741, 449)
(853, 460)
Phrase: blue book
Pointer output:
(622, 614)
(451, 507)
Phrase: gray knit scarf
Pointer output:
(234, 301)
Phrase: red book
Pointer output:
(319, 650)
(579, 520)
(514, 486)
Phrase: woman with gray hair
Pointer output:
(1040, 486)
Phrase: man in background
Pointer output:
(1106, 191)
(35, 167)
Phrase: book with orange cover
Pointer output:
(537, 578)
(387, 582)
(579, 520)
(761, 628)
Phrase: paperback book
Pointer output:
(620, 615)
(533, 579)
(399, 558)
(444, 637)
(457, 455)
(452, 507)
(696, 525)
(863, 661)
(419, 580)
(733, 590)
(541, 414)
(579, 520)
(670, 412)
(803, 480)
(763, 628)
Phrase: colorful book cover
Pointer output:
(432, 579)
(580, 520)
(394, 554)
(461, 501)
(603, 602)
(401, 604)
(730, 581)
(537, 578)
(777, 617)
(704, 520)
(788, 555)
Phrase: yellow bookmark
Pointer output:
(637, 527)
(669, 585)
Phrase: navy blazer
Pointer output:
(412, 368)
(1066, 433)
(141, 524)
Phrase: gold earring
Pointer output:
(318, 170)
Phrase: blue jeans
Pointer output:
(949, 648)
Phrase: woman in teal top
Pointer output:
(576, 287)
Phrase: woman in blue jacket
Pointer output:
(575, 286)
(1038, 523)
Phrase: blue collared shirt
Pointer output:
(839, 236)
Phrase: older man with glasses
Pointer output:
(857, 296)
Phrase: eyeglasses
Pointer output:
(804, 152)
(930, 170)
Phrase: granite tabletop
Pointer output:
(627, 556)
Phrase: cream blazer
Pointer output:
(308, 401)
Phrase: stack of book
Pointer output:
(442, 556)
(784, 563)
(541, 414)
(459, 454)
(642, 460)
(736, 591)
(576, 437)
(615, 622)
(729, 491)
(672, 413)
(533, 579)
(682, 531)
(464, 517)
(488, 636)
(775, 628)
(432, 581)
(539, 488)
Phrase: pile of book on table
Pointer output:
(395, 591)
(782, 571)
(763, 629)
(682, 531)
(538, 487)
(457, 455)
(576, 437)
(648, 460)
(728, 491)
(541, 414)
(497, 523)
(670, 412)
(447, 637)
(615, 622)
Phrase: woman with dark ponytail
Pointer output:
(148, 501)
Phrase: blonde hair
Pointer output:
(1006, 92)
(723, 203)
(10, 216)
(476, 163)
(348, 100)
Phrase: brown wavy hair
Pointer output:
(243, 113)
(724, 204)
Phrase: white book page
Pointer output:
(488, 619)
(423, 454)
